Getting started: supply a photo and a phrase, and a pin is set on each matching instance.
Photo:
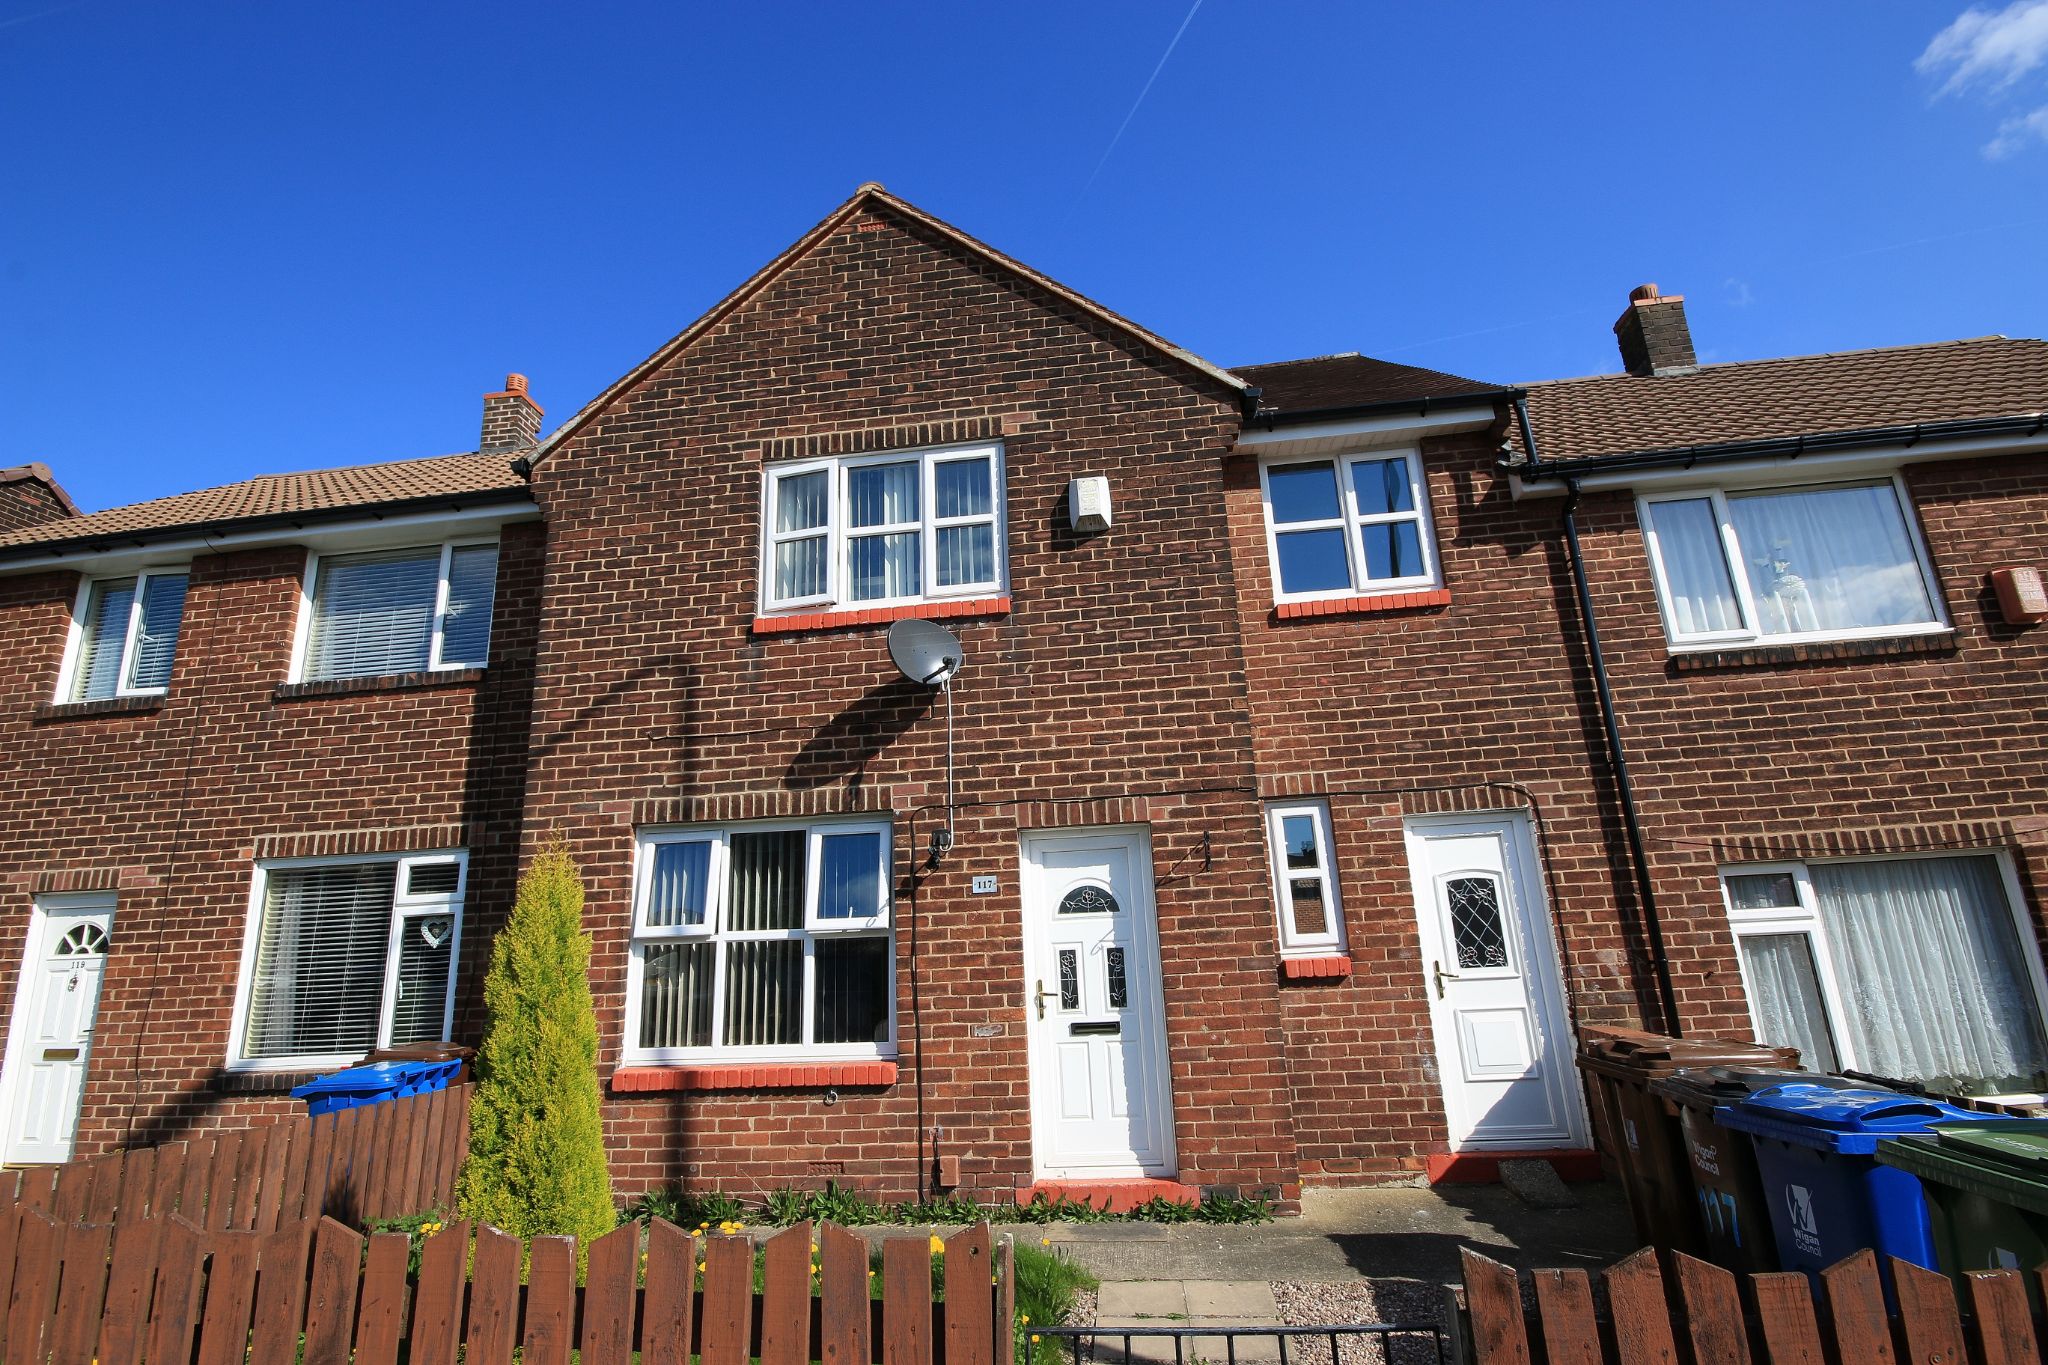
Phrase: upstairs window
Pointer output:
(346, 956)
(761, 941)
(883, 530)
(400, 611)
(127, 636)
(1827, 562)
(1305, 878)
(1351, 526)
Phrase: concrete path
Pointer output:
(1345, 1236)
(1185, 1303)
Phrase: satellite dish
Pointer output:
(925, 652)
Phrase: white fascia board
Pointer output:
(1778, 470)
(325, 537)
(1363, 433)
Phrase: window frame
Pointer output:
(1293, 944)
(1717, 495)
(1350, 521)
(1805, 919)
(309, 586)
(405, 906)
(74, 646)
(838, 534)
(811, 930)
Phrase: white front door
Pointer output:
(51, 1034)
(1495, 993)
(1101, 1103)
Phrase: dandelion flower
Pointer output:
(700, 1265)
(938, 1244)
(1045, 1241)
(1023, 1317)
(1034, 1337)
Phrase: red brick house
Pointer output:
(1287, 837)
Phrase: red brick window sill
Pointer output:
(1363, 606)
(753, 1076)
(1315, 968)
(1813, 652)
(873, 616)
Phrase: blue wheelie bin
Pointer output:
(359, 1085)
(1828, 1197)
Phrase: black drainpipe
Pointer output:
(1631, 821)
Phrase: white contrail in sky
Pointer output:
(1141, 95)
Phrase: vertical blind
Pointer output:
(466, 629)
(318, 986)
(156, 636)
(105, 633)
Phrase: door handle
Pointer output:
(1039, 996)
(1437, 971)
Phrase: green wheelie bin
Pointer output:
(1987, 1192)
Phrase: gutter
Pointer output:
(1624, 786)
(1532, 468)
(1269, 418)
(106, 541)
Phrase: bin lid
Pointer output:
(1830, 1119)
(2001, 1159)
(1643, 1055)
(360, 1080)
(1707, 1087)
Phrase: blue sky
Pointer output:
(239, 238)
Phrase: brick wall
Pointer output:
(170, 803)
(29, 498)
(1115, 671)
(1485, 703)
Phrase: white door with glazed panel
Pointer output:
(50, 1039)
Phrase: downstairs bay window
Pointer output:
(760, 942)
(1919, 969)
(347, 955)
(1827, 562)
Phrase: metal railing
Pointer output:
(1191, 1344)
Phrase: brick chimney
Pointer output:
(511, 419)
(1653, 335)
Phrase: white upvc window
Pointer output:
(1305, 878)
(1919, 968)
(344, 955)
(761, 941)
(412, 610)
(124, 636)
(1348, 526)
(1841, 561)
(889, 529)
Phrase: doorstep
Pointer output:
(1483, 1168)
(1113, 1196)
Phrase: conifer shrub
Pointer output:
(536, 1144)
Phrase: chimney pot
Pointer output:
(511, 419)
(1653, 334)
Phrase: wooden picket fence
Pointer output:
(376, 1161)
(1704, 1315)
(167, 1292)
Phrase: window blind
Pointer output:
(466, 629)
(156, 642)
(318, 986)
(374, 614)
(98, 674)
(419, 1013)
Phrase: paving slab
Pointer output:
(1154, 1303)
(1230, 1301)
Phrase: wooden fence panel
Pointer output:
(1642, 1320)
(138, 1183)
(174, 1313)
(1499, 1336)
(131, 1280)
(1713, 1312)
(38, 1185)
(1856, 1311)
(220, 1185)
(728, 1301)
(907, 1336)
(1928, 1321)
(610, 1297)
(277, 1154)
(331, 1299)
(1784, 1306)
(81, 1294)
(10, 1223)
(494, 1300)
(230, 1297)
(37, 1249)
(437, 1304)
(551, 1301)
(2005, 1328)
(166, 1180)
(1564, 1299)
(381, 1316)
(843, 1311)
(198, 1174)
(74, 1187)
(970, 1304)
(281, 1292)
(786, 1297)
(105, 1195)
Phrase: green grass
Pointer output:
(1046, 1285)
